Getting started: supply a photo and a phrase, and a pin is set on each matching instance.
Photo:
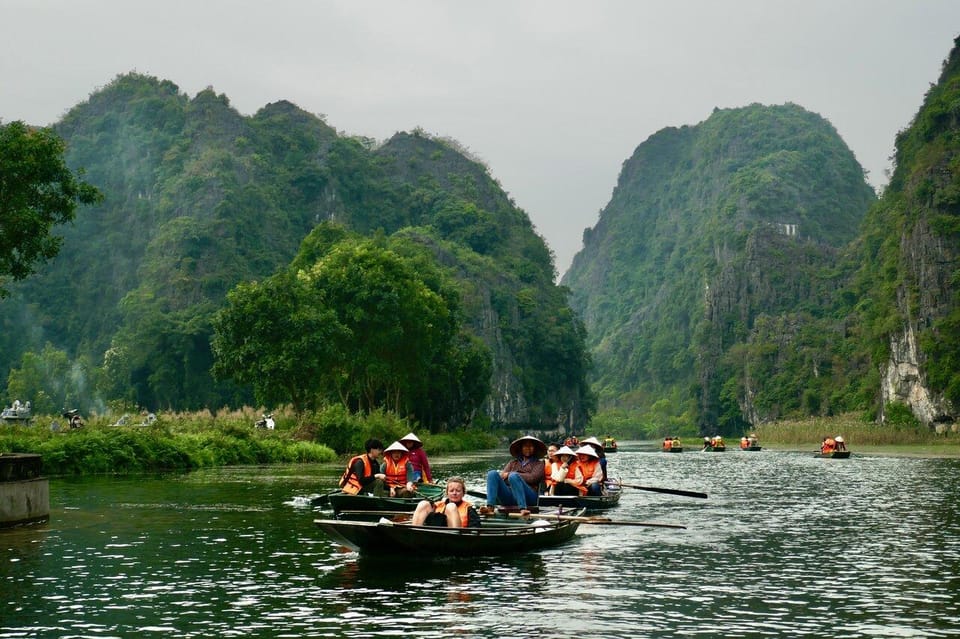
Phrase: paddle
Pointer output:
(599, 521)
(668, 491)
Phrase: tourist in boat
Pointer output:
(398, 471)
(421, 465)
(840, 444)
(744, 443)
(675, 443)
(667, 443)
(362, 470)
(753, 439)
(560, 474)
(588, 475)
(828, 445)
(453, 511)
(517, 484)
(594, 443)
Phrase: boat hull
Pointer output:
(673, 449)
(570, 502)
(714, 449)
(369, 507)
(751, 448)
(380, 538)
(837, 454)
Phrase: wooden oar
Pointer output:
(599, 521)
(668, 491)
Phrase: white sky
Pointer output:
(553, 95)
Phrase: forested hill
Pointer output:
(199, 198)
(720, 242)
(908, 290)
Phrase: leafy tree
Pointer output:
(37, 191)
(51, 382)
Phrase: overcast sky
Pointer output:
(553, 95)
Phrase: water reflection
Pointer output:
(786, 545)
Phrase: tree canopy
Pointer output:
(37, 192)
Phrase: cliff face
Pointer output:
(710, 228)
(914, 266)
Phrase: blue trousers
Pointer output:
(513, 492)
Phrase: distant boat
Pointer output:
(834, 454)
(609, 445)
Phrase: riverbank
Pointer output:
(860, 436)
(188, 441)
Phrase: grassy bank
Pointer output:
(860, 435)
(186, 441)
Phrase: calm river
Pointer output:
(787, 545)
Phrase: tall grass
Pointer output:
(855, 430)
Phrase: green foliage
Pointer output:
(695, 247)
(51, 382)
(37, 192)
(167, 444)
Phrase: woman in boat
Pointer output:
(588, 474)
(421, 465)
(398, 471)
(362, 470)
(519, 481)
(453, 511)
(561, 473)
(841, 445)
(594, 443)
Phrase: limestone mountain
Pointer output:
(713, 232)
(908, 289)
(200, 198)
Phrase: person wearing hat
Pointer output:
(519, 481)
(453, 511)
(398, 471)
(561, 473)
(841, 445)
(588, 476)
(594, 443)
(421, 465)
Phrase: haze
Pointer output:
(552, 95)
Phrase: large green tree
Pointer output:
(37, 191)
(364, 325)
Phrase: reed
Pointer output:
(855, 430)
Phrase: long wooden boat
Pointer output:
(610, 445)
(589, 502)
(751, 448)
(495, 536)
(714, 449)
(341, 502)
(836, 454)
(672, 449)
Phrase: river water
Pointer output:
(787, 545)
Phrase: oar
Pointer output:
(600, 521)
(668, 491)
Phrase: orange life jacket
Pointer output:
(349, 482)
(667, 444)
(587, 469)
(396, 472)
(463, 508)
(828, 446)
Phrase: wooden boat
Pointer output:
(753, 448)
(671, 449)
(609, 445)
(834, 454)
(589, 502)
(714, 449)
(341, 502)
(496, 536)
